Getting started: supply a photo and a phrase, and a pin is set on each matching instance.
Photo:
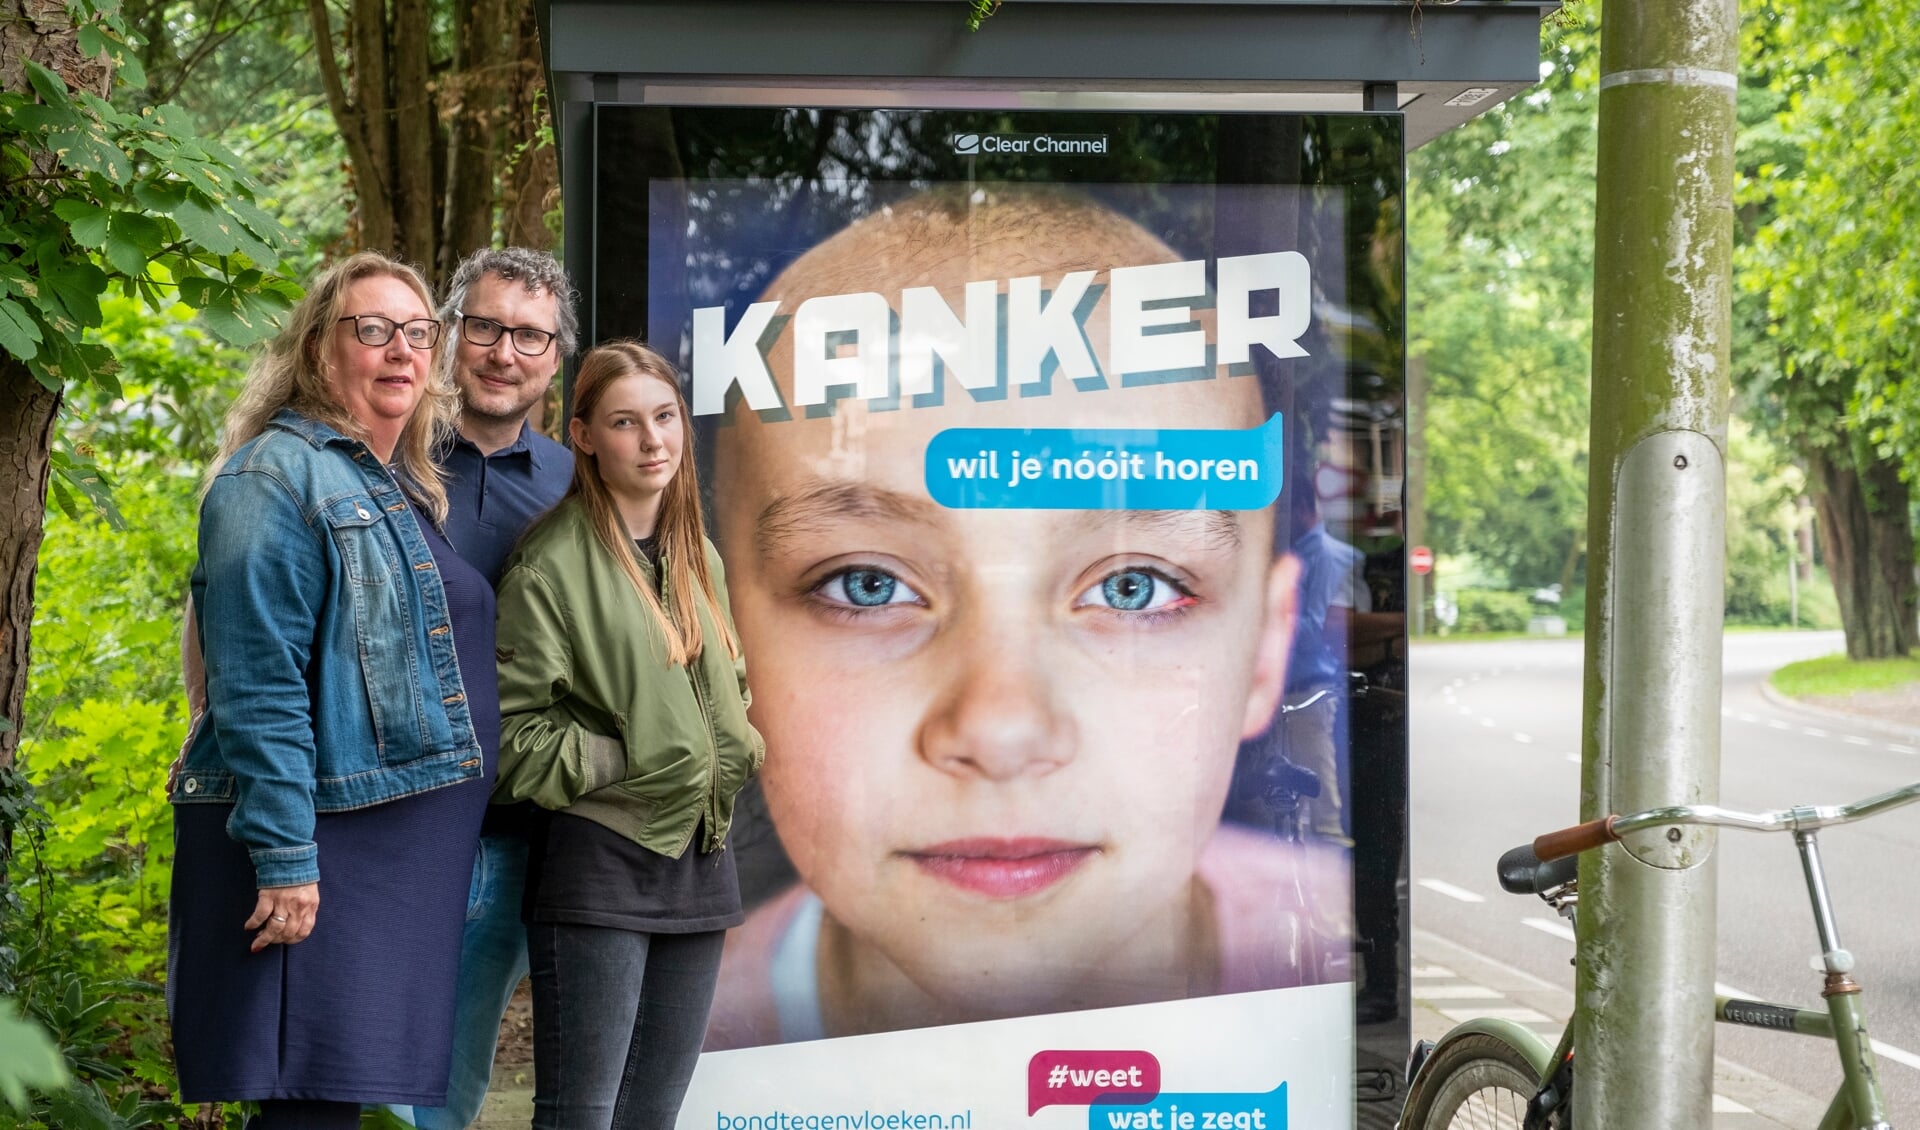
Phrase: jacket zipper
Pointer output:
(698, 683)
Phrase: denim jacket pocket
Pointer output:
(383, 624)
(355, 524)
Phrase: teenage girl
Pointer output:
(624, 712)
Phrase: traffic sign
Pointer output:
(1420, 559)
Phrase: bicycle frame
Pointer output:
(1859, 1102)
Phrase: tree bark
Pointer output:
(416, 220)
(532, 183)
(27, 412)
(1866, 536)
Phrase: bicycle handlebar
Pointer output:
(1592, 834)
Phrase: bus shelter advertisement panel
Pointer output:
(1010, 468)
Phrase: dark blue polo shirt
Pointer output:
(492, 498)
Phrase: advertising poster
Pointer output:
(1016, 428)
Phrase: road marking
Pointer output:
(1897, 1055)
(1892, 748)
(1457, 993)
(1523, 739)
(1549, 926)
(1517, 1015)
(1724, 1105)
(1851, 740)
(1427, 939)
(1777, 724)
(1433, 971)
(1439, 887)
(1466, 711)
(1487, 722)
(1814, 732)
(1744, 716)
(1574, 757)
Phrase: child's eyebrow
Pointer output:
(823, 500)
(1218, 529)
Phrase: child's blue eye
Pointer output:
(1134, 590)
(867, 588)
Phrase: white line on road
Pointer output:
(1523, 739)
(1892, 748)
(1487, 722)
(1517, 1015)
(1724, 1105)
(1456, 993)
(1851, 740)
(1897, 1055)
(1467, 710)
(1420, 971)
(1814, 732)
(1549, 926)
(1744, 716)
(1777, 724)
(1440, 887)
(1574, 757)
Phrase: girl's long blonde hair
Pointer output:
(291, 372)
(680, 530)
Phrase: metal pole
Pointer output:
(1656, 544)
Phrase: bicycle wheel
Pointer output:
(1478, 1082)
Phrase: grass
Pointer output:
(1837, 676)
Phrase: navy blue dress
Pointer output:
(362, 1009)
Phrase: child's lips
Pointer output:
(1002, 868)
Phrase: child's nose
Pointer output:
(998, 720)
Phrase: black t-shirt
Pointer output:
(586, 874)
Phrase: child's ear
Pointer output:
(1276, 639)
(577, 428)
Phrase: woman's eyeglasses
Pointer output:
(527, 340)
(374, 330)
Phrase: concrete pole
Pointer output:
(1656, 538)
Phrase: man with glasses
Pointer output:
(512, 317)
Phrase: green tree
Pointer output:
(1500, 283)
(96, 199)
(1831, 281)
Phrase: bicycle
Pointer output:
(1496, 1075)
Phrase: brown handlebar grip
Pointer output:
(1574, 840)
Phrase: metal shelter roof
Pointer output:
(1440, 63)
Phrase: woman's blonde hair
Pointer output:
(680, 530)
(291, 372)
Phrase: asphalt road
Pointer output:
(1495, 735)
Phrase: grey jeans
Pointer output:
(618, 1020)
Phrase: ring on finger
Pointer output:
(279, 918)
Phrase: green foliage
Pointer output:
(1836, 676)
(1489, 610)
(97, 200)
(1500, 243)
(978, 11)
(27, 1059)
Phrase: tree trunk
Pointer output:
(27, 411)
(416, 220)
(41, 31)
(1866, 536)
(532, 182)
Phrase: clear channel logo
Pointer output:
(1016, 144)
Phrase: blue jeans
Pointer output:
(618, 1020)
(493, 958)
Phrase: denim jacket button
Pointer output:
(192, 785)
(362, 511)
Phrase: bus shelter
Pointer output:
(1049, 386)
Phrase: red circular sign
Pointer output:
(1420, 558)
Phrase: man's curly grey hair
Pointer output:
(538, 271)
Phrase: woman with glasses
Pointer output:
(328, 806)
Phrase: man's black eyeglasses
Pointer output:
(528, 341)
(374, 330)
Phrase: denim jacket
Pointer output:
(332, 682)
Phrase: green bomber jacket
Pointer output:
(594, 720)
